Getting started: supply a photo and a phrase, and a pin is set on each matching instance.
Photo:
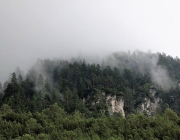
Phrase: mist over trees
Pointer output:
(71, 96)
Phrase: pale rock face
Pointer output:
(84, 100)
(115, 105)
(150, 107)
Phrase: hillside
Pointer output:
(143, 84)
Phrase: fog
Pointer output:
(141, 63)
(93, 29)
(138, 62)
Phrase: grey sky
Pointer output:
(31, 29)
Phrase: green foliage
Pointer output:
(69, 84)
(69, 101)
(26, 137)
(54, 123)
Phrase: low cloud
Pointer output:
(143, 63)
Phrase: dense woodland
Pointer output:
(54, 100)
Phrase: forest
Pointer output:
(75, 99)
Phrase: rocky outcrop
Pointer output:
(116, 104)
(149, 107)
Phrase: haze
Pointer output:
(35, 29)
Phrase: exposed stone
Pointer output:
(150, 107)
(115, 105)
